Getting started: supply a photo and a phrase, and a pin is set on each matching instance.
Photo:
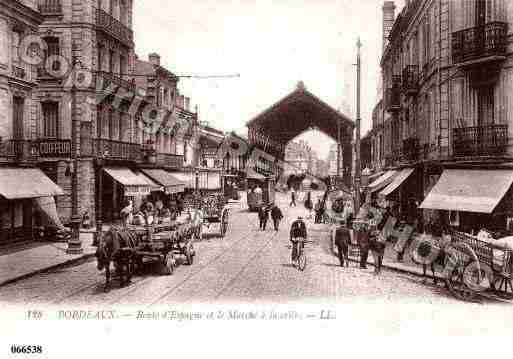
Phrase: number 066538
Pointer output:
(26, 349)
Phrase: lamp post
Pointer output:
(74, 244)
(100, 161)
(357, 140)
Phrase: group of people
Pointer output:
(263, 216)
(149, 212)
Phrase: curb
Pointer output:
(42, 270)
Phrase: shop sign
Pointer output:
(136, 191)
(54, 148)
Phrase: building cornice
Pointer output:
(17, 11)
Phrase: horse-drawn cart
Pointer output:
(473, 266)
(215, 210)
(165, 243)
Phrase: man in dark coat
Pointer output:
(263, 216)
(276, 215)
(342, 241)
(292, 198)
(362, 234)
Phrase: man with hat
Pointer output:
(362, 234)
(342, 236)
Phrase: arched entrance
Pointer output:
(297, 112)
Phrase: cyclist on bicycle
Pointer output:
(297, 230)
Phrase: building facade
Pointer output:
(447, 87)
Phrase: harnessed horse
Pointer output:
(118, 246)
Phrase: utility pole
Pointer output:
(357, 140)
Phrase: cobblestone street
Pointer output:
(247, 266)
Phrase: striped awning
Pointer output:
(397, 181)
(167, 180)
(134, 184)
(382, 181)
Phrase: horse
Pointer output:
(117, 246)
(428, 250)
(197, 223)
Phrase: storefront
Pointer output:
(121, 184)
(207, 180)
(22, 191)
(471, 199)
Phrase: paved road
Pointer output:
(247, 266)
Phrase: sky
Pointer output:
(272, 45)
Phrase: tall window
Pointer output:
(485, 104)
(52, 49)
(111, 124)
(50, 119)
(16, 38)
(480, 12)
(111, 61)
(101, 51)
(17, 121)
(123, 65)
(99, 121)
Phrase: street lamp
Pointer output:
(74, 244)
(100, 162)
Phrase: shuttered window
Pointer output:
(50, 119)
(17, 121)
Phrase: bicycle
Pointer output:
(300, 261)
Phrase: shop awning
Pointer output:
(251, 173)
(382, 181)
(375, 176)
(469, 190)
(397, 181)
(134, 184)
(166, 180)
(187, 178)
(18, 183)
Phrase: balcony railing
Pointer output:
(113, 27)
(107, 78)
(479, 42)
(170, 160)
(50, 7)
(410, 80)
(19, 149)
(488, 140)
(392, 99)
(111, 149)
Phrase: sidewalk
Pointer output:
(24, 263)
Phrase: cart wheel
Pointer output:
(189, 254)
(456, 261)
(301, 262)
(169, 263)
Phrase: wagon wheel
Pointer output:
(169, 263)
(189, 253)
(224, 222)
(458, 257)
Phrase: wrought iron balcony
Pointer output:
(479, 43)
(487, 140)
(111, 149)
(107, 79)
(170, 160)
(410, 80)
(50, 7)
(19, 150)
(392, 99)
(113, 27)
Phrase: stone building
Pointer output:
(446, 106)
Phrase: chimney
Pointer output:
(388, 20)
(154, 58)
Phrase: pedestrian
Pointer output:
(377, 245)
(317, 209)
(342, 240)
(263, 216)
(292, 198)
(308, 204)
(277, 216)
(361, 232)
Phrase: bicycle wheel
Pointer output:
(301, 262)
